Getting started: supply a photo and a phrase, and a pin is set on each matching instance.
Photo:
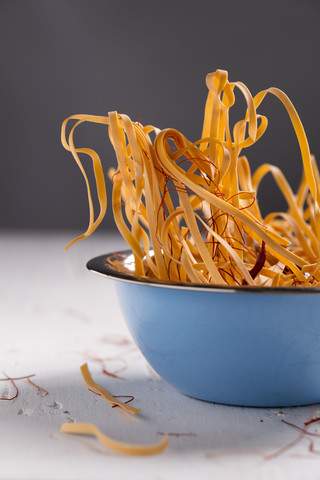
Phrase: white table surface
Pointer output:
(55, 315)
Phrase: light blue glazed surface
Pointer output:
(227, 347)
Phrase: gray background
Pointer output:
(140, 57)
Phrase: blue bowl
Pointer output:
(246, 346)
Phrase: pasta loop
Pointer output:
(195, 204)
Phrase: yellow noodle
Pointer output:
(121, 447)
(213, 234)
(103, 392)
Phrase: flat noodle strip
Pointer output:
(100, 182)
(104, 393)
(125, 448)
(195, 203)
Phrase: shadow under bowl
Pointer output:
(248, 346)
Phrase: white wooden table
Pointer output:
(55, 315)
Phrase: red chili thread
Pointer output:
(214, 223)
(277, 453)
(25, 377)
(284, 449)
(173, 434)
(170, 261)
(317, 419)
(303, 430)
(238, 228)
(110, 374)
(250, 205)
(107, 372)
(93, 391)
(131, 397)
(221, 254)
(231, 274)
(303, 433)
(225, 226)
(197, 159)
(117, 340)
(222, 273)
(39, 389)
(17, 378)
(162, 205)
(14, 386)
(240, 193)
(178, 265)
(262, 454)
(235, 452)
(244, 248)
(172, 180)
(312, 449)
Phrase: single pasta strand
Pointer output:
(121, 447)
(104, 393)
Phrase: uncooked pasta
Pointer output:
(190, 210)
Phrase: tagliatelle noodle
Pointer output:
(195, 203)
(121, 447)
(243, 216)
(103, 392)
(301, 136)
(290, 198)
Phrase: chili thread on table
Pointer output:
(12, 380)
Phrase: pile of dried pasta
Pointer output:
(194, 204)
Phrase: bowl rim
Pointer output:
(103, 266)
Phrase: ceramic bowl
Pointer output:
(247, 346)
